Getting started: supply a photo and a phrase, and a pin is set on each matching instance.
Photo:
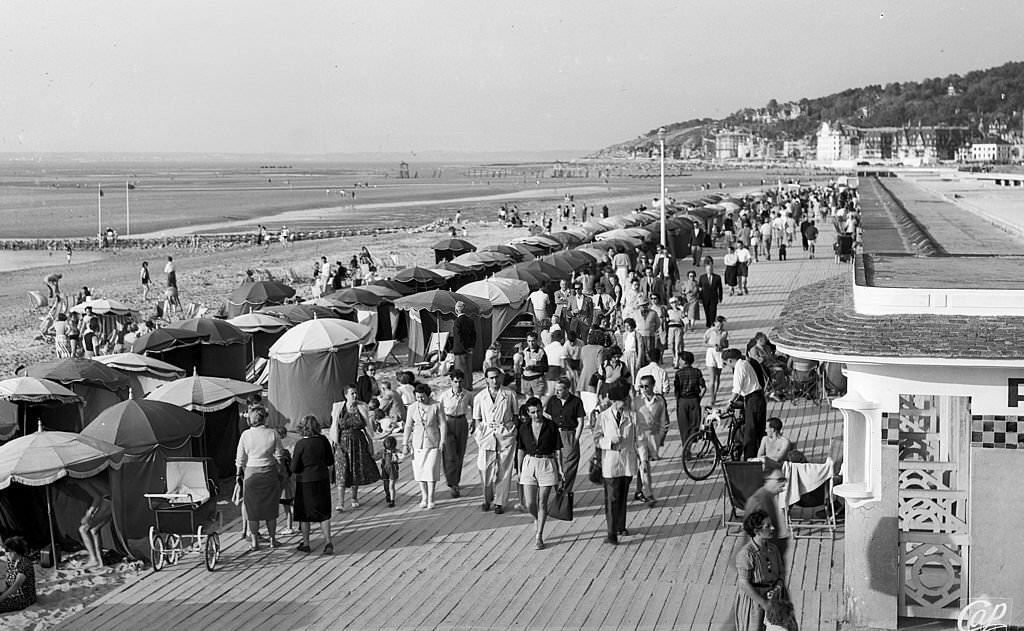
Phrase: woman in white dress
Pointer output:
(424, 438)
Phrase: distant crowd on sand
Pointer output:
(608, 351)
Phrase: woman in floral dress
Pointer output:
(20, 581)
(350, 436)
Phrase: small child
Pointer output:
(376, 415)
(492, 356)
(782, 251)
(779, 616)
(287, 484)
(389, 462)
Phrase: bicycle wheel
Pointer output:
(700, 456)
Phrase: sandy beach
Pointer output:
(1003, 206)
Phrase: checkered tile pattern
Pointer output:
(997, 432)
(891, 429)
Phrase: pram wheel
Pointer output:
(174, 551)
(212, 551)
(156, 550)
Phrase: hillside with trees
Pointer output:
(991, 99)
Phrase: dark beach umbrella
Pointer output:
(395, 288)
(517, 255)
(454, 267)
(576, 258)
(419, 278)
(518, 273)
(166, 339)
(564, 265)
(704, 212)
(141, 423)
(298, 313)
(361, 296)
(546, 269)
(251, 295)
(454, 245)
(214, 331)
(528, 250)
(443, 302)
(593, 226)
(73, 370)
(567, 239)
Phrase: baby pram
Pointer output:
(187, 518)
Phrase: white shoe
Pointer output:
(430, 505)
(423, 504)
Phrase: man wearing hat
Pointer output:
(648, 326)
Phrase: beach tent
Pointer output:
(509, 299)
(150, 432)
(144, 373)
(99, 386)
(310, 366)
(222, 352)
(433, 312)
(264, 329)
(253, 295)
(109, 314)
(447, 249)
(174, 346)
(216, 399)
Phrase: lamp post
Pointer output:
(661, 195)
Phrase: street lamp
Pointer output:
(661, 195)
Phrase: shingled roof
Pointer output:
(820, 319)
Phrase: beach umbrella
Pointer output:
(581, 232)
(529, 250)
(611, 223)
(164, 339)
(296, 314)
(255, 322)
(135, 363)
(564, 265)
(42, 458)
(35, 390)
(516, 272)
(75, 370)
(574, 258)
(593, 226)
(472, 261)
(319, 335)
(539, 241)
(103, 306)
(251, 295)
(506, 249)
(359, 296)
(445, 274)
(454, 245)
(498, 291)
(729, 205)
(705, 212)
(417, 276)
(546, 269)
(142, 423)
(443, 302)
(595, 252)
(566, 238)
(203, 394)
(389, 288)
(213, 330)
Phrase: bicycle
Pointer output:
(702, 451)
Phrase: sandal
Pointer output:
(329, 549)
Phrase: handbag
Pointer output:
(595, 474)
(560, 504)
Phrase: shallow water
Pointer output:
(25, 259)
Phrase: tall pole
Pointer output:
(127, 212)
(661, 195)
(99, 212)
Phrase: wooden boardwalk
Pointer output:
(456, 567)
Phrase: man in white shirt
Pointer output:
(457, 404)
(540, 301)
(494, 429)
(748, 390)
(621, 264)
(555, 352)
(652, 425)
(743, 258)
(655, 372)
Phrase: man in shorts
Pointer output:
(98, 515)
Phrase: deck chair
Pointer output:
(383, 350)
(804, 381)
(741, 480)
(433, 352)
(37, 300)
(803, 514)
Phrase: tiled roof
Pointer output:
(820, 318)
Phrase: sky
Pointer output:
(404, 77)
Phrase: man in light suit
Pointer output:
(711, 293)
(562, 295)
(494, 429)
(616, 434)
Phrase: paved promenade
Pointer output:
(456, 567)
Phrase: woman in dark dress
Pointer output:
(20, 582)
(350, 435)
(311, 463)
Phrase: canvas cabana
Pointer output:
(99, 386)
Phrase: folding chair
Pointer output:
(385, 349)
(803, 514)
(435, 348)
(741, 480)
(38, 300)
(804, 381)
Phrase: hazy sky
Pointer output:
(359, 76)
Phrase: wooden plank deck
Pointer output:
(457, 567)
